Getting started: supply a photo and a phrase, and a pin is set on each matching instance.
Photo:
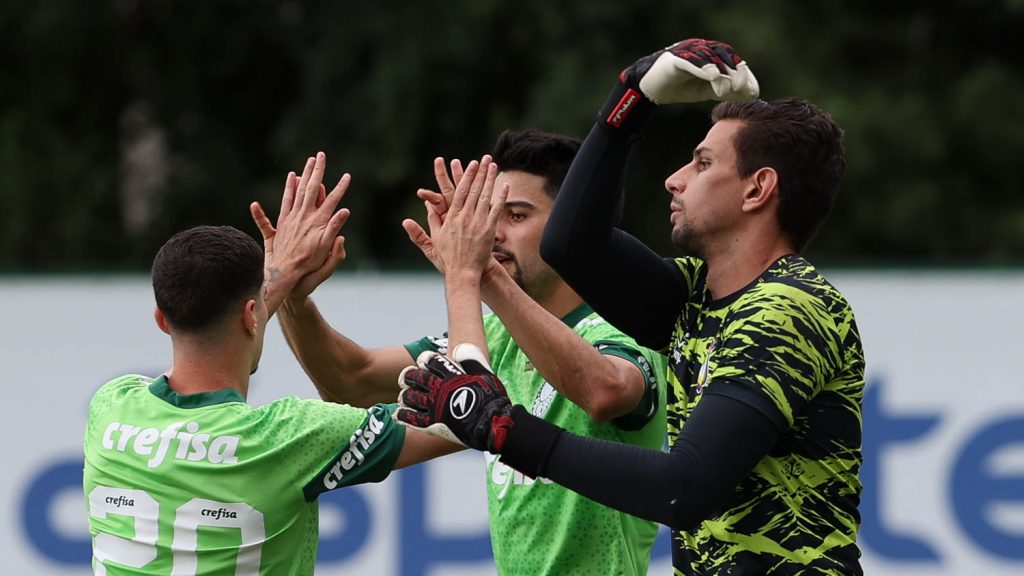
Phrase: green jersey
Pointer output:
(788, 346)
(204, 483)
(538, 527)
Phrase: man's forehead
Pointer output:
(719, 139)
(524, 189)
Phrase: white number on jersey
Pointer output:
(145, 510)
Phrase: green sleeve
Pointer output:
(368, 456)
(639, 416)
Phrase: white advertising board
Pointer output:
(943, 423)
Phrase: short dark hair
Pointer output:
(804, 146)
(539, 153)
(201, 273)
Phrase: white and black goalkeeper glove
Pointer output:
(461, 401)
(692, 70)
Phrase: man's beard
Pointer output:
(516, 273)
(687, 242)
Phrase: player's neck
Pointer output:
(742, 262)
(200, 368)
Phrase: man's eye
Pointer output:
(515, 217)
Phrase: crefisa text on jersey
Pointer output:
(358, 444)
(192, 445)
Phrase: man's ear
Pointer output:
(763, 187)
(161, 320)
(249, 317)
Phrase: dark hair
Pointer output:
(538, 153)
(201, 273)
(804, 146)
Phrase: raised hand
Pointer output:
(443, 199)
(688, 71)
(692, 70)
(304, 248)
(462, 239)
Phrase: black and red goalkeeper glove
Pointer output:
(691, 70)
(459, 401)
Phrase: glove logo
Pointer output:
(462, 402)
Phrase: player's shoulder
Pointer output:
(292, 411)
(121, 386)
(795, 282)
(114, 392)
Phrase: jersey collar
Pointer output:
(162, 390)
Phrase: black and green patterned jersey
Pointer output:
(786, 345)
(765, 390)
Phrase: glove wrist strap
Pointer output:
(626, 111)
(529, 443)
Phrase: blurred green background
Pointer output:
(124, 121)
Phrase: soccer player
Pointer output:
(766, 365)
(181, 475)
(560, 359)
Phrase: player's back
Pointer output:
(204, 483)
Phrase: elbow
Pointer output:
(697, 491)
(687, 512)
(609, 401)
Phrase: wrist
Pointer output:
(527, 441)
(626, 111)
(277, 285)
(459, 280)
(294, 304)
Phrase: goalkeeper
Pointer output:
(766, 367)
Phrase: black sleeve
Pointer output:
(626, 282)
(718, 446)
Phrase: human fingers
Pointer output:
(462, 190)
(483, 205)
(444, 183)
(478, 182)
(497, 206)
(457, 170)
(336, 256)
(336, 222)
(316, 178)
(331, 200)
(261, 220)
(417, 235)
(288, 198)
(300, 188)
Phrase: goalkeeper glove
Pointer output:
(688, 71)
(461, 401)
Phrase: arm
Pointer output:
(342, 370)
(722, 441)
(459, 246)
(601, 262)
(581, 241)
(420, 447)
(606, 387)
